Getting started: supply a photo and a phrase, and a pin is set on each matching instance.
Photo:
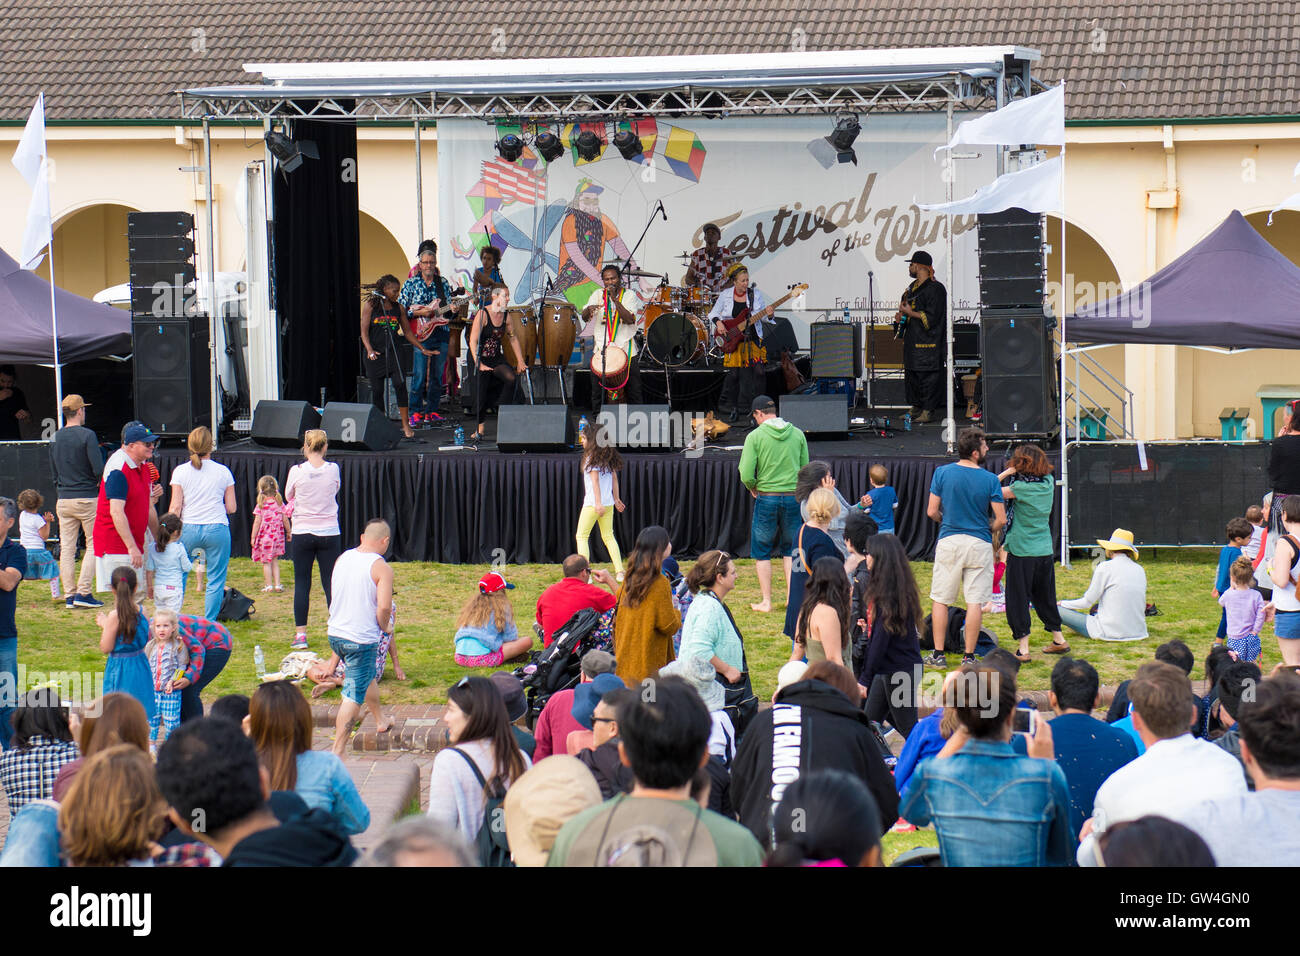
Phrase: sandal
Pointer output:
(278, 589)
(267, 589)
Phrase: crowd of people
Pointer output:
(661, 753)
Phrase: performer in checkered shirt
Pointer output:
(709, 263)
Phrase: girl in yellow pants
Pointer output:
(601, 464)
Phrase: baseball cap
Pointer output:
(512, 692)
(761, 403)
(74, 403)
(136, 432)
(492, 582)
(597, 662)
(922, 259)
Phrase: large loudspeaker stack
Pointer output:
(1016, 339)
(171, 377)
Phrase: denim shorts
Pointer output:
(776, 518)
(359, 667)
(1286, 625)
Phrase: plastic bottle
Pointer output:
(259, 662)
(458, 436)
(847, 317)
(907, 421)
(582, 425)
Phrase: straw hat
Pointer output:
(1120, 540)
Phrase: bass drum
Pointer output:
(559, 328)
(523, 322)
(675, 338)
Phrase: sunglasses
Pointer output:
(604, 720)
(463, 682)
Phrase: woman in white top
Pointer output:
(1286, 624)
(1118, 589)
(312, 493)
(203, 496)
(482, 745)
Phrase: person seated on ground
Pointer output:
(542, 801)
(218, 793)
(989, 806)
(419, 841)
(511, 690)
(698, 672)
(1119, 714)
(926, 739)
(791, 672)
(586, 698)
(486, 635)
(482, 759)
(1088, 750)
(1216, 662)
(1119, 592)
(1175, 770)
(665, 740)
(556, 722)
(1260, 828)
(121, 720)
(232, 707)
(1236, 682)
(822, 727)
(573, 593)
(1153, 841)
(602, 758)
(280, 724)
(330, 674)
(42, 744)
(827, 818)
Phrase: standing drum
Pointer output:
(675, 339)
(559, 328)
(523, 322)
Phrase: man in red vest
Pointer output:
(124, 510)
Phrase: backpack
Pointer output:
(491, 841)
(955, 640)
(236, 606)
(648, 833)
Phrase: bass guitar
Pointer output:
(731, 332)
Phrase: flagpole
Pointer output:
(1064, 309)
(54, 314)
(952, 278)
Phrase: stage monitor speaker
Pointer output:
(173, 391)
(352, 426)
(141, 225)
(281, 424)
(644, 427)
(836, 350)
(965, 341)
(825, 416)
(1019, 385)
(534, 428)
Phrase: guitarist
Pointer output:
(427, 298)
(741, 305)
(921, 320)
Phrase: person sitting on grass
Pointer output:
(486, 635)
(329, 674)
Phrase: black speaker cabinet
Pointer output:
(826, 416)
(158, 224)
(173, 390)
(1019, 387)
(281, 424)
(534, 428)
(836, 350)
(355, 427)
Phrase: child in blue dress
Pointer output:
(124, 632)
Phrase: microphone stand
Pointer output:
(871, 337)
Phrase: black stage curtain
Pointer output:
(316, 263)
(467, 508)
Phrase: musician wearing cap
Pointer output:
(709, 263)
(741, 311)
(920, 320)
(612, 321)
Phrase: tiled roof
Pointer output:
(1137, 59)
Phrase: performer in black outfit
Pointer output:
(383, 319)
(491, 331)
(921, 319)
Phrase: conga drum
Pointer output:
(523, 322)
(609, 368)
(558, 328)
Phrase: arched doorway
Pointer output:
(90, 249)
(381, 253)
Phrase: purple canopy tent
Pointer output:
(87, 329)
(1230, 290)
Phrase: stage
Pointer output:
(471, 506)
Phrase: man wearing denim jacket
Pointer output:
(990, 806)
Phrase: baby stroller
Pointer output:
(558, 667)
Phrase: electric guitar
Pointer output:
(731, 332)
(900, 320)
(425, 324)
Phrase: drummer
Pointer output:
(611, 318)
(709, 263)
(746, 366)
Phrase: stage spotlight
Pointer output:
(290, 152)
(588, 145)
(842, 137)
(628, 143)
(511, 147)
(549, 146)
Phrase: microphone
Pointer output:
(662, 211)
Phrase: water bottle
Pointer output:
(582, 426)
(259, 662)
(907, 421)
(458, 436)
(847, 317)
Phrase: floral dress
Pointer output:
(269, 543)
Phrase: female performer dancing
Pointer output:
(383, 318)
(487, 347)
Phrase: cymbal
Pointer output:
(683, 255)
(642, 274)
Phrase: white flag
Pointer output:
(31, 148)
(1036, 189)
(1290, 202)
(1038, 120)
(37, 236)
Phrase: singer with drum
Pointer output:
(612, 321)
